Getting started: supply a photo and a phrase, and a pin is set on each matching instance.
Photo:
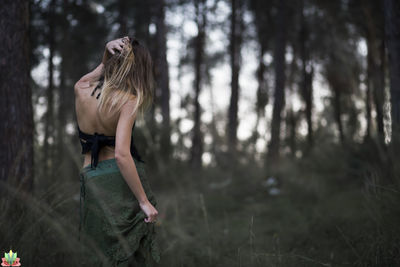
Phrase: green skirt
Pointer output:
(112, 227)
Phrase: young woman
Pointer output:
(117, 211)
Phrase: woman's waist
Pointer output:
(104, 154)
(106, 162)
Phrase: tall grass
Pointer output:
(332, 209)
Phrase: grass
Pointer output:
(327, 214)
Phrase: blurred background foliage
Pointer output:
(272, 140)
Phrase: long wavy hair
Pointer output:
(128, 75)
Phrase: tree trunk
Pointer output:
(143, 13)
(62, 110)
(379, 85)
(279, 94)
(368, 93)
(235, 44)
(392, 32)
(262, 92)
(291, 117)
(49, 121)
(292, 126)
(197, 139)
(338, 112)
(308, 84)
(16, 133)
(308, 74)
(163, 79)
(216, 140)
(122, 18)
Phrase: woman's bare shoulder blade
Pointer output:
(124, 129)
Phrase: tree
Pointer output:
(307, 72)
(162, 77)
(392, 31)
(279, 67)
(16, 132)
(199, 44)
(264, 24)
(370, 25)
(49, 121)
(235, 60)
(122, 18)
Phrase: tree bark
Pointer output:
(338, 112)
(262, 90)
(262, 93)
(235, 44)
(163, 79)
(197, 138)
(292, 126)
(279, 94)
(306, 86)
(61, 118)
(379, 85)
(49, 121)
(122, 18)
(291, 120)
(392, 34)
(16, 132)
(369, 86)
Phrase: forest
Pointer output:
(271, 140)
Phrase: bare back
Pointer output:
(90, 121)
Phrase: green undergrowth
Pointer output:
(331, 210)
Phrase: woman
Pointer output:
(117, 212)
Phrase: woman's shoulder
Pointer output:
(81, 84)
(83, 88)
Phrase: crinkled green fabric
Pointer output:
(112, 224)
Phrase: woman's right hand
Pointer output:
(150, 211)
(114, 44)
(111, 46)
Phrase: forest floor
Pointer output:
(296, 218)
(328, 210)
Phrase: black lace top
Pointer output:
(94, 142)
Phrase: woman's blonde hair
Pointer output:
(128, 75)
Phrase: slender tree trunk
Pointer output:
(197, 139)
(307, 73)
(143, 14)
(292, 125)
(49, 121)
(122, 18)
(216, 140)
(235, 44)
(62, 108)
(279, 94)
(163, 79)
(338, 112)
(368, 93)
(379, 86)
(262, 92)
(309, 76)
(392, 32)
(16, 132)
(291, 118)
(375, 69)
